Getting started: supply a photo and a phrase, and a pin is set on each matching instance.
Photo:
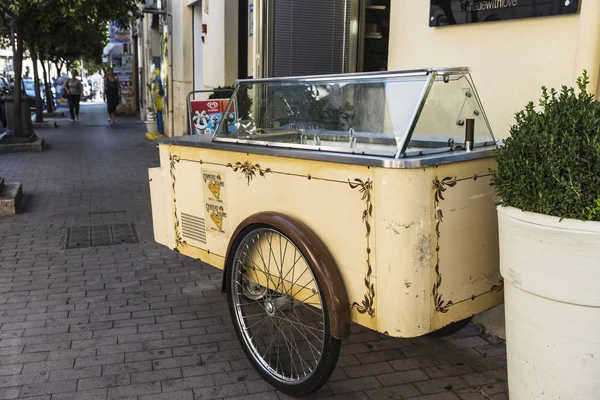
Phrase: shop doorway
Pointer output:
(374, 35)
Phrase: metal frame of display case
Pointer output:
(401, 156)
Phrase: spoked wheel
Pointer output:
(278, 312)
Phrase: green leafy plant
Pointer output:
(550, 164)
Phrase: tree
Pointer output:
(77, 33)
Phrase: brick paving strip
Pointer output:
(139, 321)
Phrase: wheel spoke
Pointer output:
(297, 350)
(285, 337)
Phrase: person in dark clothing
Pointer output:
(112, 93)
(73, 88)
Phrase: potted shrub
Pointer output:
(548, 180)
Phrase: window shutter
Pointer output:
(311, 37)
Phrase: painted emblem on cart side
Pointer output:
(215, 183)
(216, 213)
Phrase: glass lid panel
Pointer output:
(355, 113)
(442, 123)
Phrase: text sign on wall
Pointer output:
(453, 12)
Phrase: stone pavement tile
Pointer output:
(354, 385)
(127, 368)
(37, 389)
(441, 371)
(196, 349)
(487, 363)
(21, 379)
(96, 383)
(413, 363)
(396, 378)
(139, 337)
(10, 393)
(181, 395)
(486, 378)
(205, 369)
(393, 392)
(48, 365)
(71, 353)
(193, 382)
(235, 376)
(483, 391)
(257, 386)
(378, 356)
(437, 396)
(148, 355)
(11, 369)
(368, 369)
(454, 356)
(6, 351)
(99, 360)
(160, 375)
(97, 394)
(258, 396)
(221, 391)
(446, 384)
(463, 343)
(75, 373)
(492, 350)
(175, 362)
(140, 389)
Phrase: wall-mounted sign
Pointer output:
(453, 12)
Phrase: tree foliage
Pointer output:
(60, 30)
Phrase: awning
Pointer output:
(111, 50)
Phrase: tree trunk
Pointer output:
(48, 90)
(18, 59)
(39, 105)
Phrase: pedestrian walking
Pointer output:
(112, 93)
(73, 88)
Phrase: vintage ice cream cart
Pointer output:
(334, 199)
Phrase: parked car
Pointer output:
(4, 89)
(28, 86)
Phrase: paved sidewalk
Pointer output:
(138, 321)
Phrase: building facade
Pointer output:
(212, 43)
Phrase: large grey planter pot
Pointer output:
(551, 271)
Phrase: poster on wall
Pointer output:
(124, 73)
(61, 103)
(215, 201)
(455, 12)
(205, 116)
(118, 34)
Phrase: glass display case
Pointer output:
(391, 114)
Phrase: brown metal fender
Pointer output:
(316, 254)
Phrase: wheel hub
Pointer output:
(270, 308)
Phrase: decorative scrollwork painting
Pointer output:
(439, 187)
(173, 160)
(365, 188)
(249, 170)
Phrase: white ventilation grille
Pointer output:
(193, 227)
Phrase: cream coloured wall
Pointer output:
(509, 60)
(182, 72)
(221, 42)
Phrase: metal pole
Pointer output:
(12, 44)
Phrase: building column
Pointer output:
(588, 44)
